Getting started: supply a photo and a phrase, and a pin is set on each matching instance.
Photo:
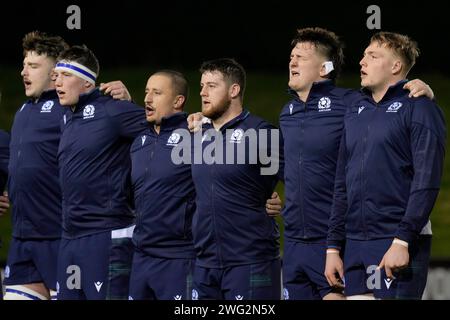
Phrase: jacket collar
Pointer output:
(318, 88)
(394, 92)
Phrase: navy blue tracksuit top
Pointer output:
(95, 165)
(164, 192)
(389, 168)
(231, 226)
(33, 184)
(311, 134)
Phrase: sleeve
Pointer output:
(427, 135)
(336, 225)
(129, 117)
(273, 149)
(281, 150)
(4, 159)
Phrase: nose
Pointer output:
(203, 92)
(292, 62)
(148, 98)
(24, 71)
(58, 80)
(362, 63)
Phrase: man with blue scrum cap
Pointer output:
(96, 250)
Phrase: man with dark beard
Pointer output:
(236, 241)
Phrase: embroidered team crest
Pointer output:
(89, 111)
(173, 139)
(394, 107)
(236, 136)
(324, 104)
(47, 106)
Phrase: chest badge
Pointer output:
(324, 104)
(89, 111)
(47, 106)
(173, 139)
(394, 107)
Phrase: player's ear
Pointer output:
(397, 66)
(179, 102)
(235, 89)
(87, 84)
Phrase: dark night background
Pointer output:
(185, 33)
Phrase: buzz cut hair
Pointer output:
(405, 47)
(327, 43)
(43, 44)
(179, 82)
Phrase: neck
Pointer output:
(303, 95)
(157, 128)
(232, 112)
(379, 92)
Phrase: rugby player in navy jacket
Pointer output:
(311, 124)
(33, 186)
(388, 177)
(4, 159)
(237, 242)
(94, 160)
(164, 195)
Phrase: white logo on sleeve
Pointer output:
(177, 297)
(47, 106)
(324, 104)
(194, 294)
(239, 297)
(388, 282)
(143, 138)
(394, 107)
(286, 294)
(89, 111)
(236, 136)
(98, 285)
(173, 139)
(7, 271)
(360, 109)
(291, 107)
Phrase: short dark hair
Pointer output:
(402, 45)
(229, 68)
(42, 43)
(327, 43)
(179, 82)
(83, 55)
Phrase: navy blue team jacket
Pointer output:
(231, 226)
(4, 158)
(95, 165)
(33, 186)
(389, 169)
(164, 192)
(311, 132)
